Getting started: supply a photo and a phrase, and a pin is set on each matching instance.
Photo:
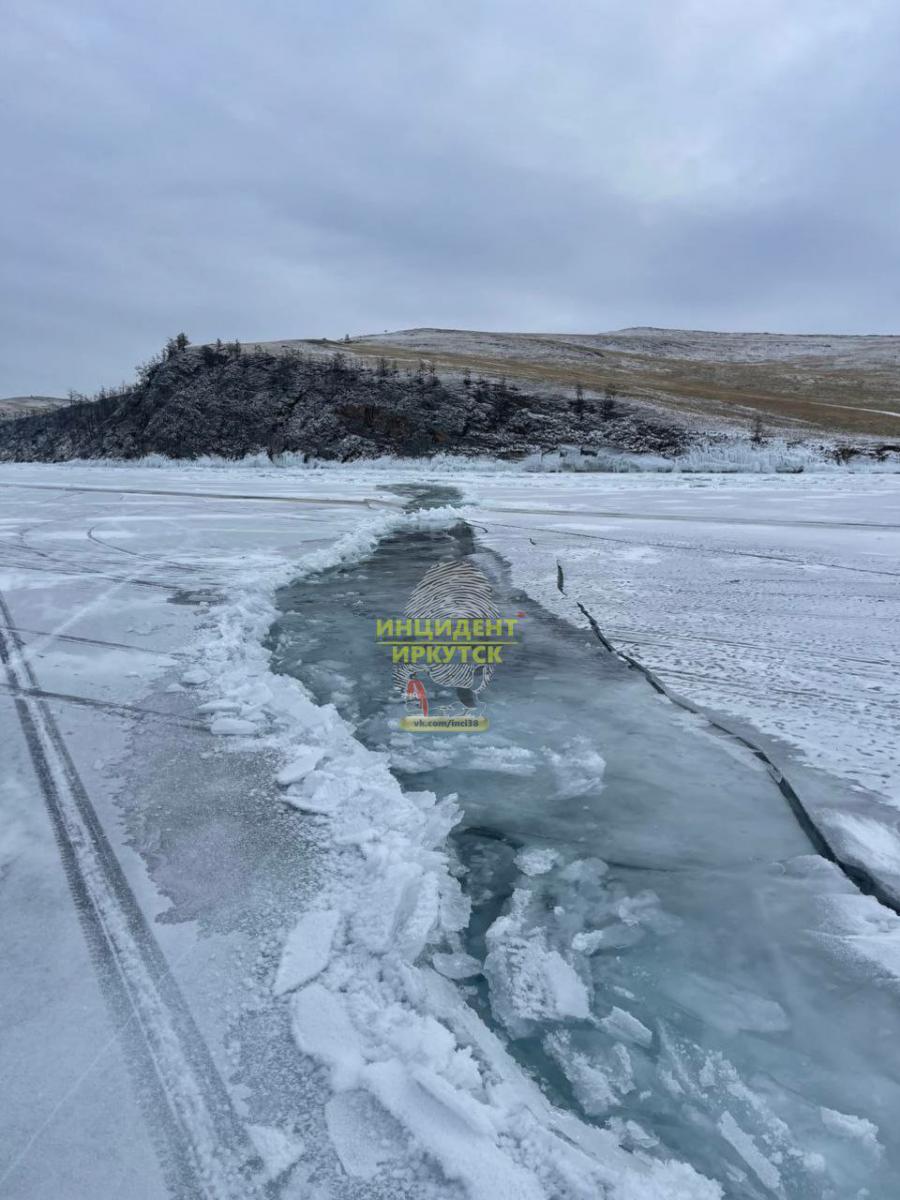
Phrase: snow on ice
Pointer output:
(412, 1067)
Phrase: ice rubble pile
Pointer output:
(413, 1069)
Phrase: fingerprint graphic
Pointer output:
(454, 590)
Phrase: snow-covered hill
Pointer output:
(871, 350)
(20, 406)
(838, 384)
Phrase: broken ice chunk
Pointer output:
(855, 1128)
(364, 1134)
(232, 727)
(727, 1008)
(613, 937)
(322, 1029)
(322, 807)
(279, 1151)
(621, 1024)
(456, 966)
(536, 860)
(531, 983)
(301, 764)
(307, 950)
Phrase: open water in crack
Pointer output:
(660, 944)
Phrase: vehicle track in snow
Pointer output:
(692, 547)
(692, 518)
(110, 706)
(204, 1150)
(650, 636)
(69, 637)
(68, 567)
(172, 566)
(774, 651)
(76, 565)
(101, 568)
(267, 498)
(859, 876)
(740, 686)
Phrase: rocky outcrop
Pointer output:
(231, 402)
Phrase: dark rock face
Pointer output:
(228, 402)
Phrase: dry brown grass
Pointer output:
(799, 396)
(804, 398)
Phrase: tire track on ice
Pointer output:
(204, 1149)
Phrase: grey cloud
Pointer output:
(306, 169)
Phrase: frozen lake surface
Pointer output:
(612, 966)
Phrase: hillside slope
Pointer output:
(228, 401)
(20, 406)
(798, 384)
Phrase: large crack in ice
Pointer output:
(537, 1020)
(857, 873)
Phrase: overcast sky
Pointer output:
(288, 169)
